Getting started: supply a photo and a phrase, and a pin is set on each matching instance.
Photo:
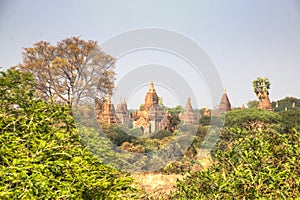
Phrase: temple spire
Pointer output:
(225, 103)
(188, 116)
(151, 86)
(108, 99)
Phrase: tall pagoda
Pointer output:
(149, 116)
(188, 116)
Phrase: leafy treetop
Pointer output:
(261, 87)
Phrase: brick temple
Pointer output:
(151, 116)
(225, 104)
(188, 116)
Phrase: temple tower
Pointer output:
(188, 116)
(149, 116)
(225, 103)
(122, 112)
(107, 113)
(151, 97)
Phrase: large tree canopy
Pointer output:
(70, 71)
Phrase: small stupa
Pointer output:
(265, 102)
(225, 103)
(188, 116)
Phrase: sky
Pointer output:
(243, 39)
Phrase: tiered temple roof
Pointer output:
(106, 115)
(149, 116)
(151, 97)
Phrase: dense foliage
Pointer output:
(251, 118)
(289, 103)
(290, 120)
(250, 161)
(253, 164)
(252, 103)
(41, 156)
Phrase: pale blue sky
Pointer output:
(244, 39)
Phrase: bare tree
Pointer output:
(70, 71)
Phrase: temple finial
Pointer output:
(151, 86)
(108, 98)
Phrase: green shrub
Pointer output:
(290, 120)
(116, 135)
(250, 118)
(255, 164)
(41, 156)
(161, 134)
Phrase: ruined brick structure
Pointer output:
(169, 122)
(150, 115)
(122, 112)
(106, 112)
(224, 104)
(265, 102)
(149, 118)
(188, 116)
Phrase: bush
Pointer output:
(161, 134)
(251, 118)
(117, 135)
(41, 156)
(290, 120)
(256, 164)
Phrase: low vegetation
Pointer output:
(250, 162)
(43, 156)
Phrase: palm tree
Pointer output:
(261, 88)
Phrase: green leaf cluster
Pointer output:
(248, 164)
(257, 165)
(246, 117)
(41, 156)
